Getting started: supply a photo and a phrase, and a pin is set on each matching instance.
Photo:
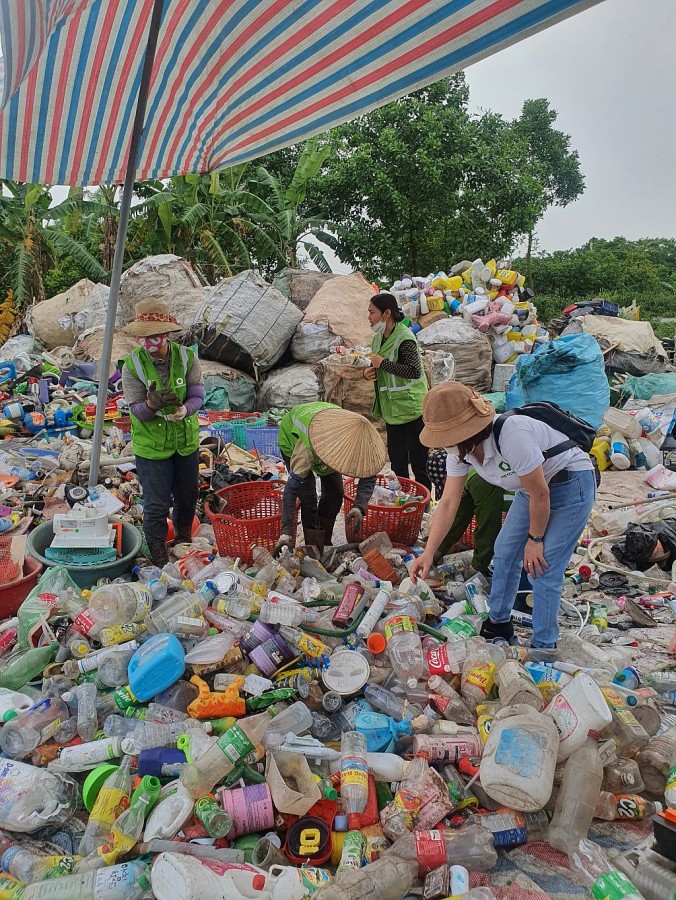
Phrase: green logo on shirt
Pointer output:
(504, 467)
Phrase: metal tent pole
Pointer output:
(125, 206)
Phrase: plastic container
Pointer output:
(620, 457)
(577, 798)
(173, 809)
(13, 595)
(86, 576)
(576, 710)
(654, 761)
(155, 666)
(353, 775)
(22, 735)
(117, 604)
(519, 759)
(618, 420)
(125, 881)
(402, 523)
(404, 649)
(250, 808)
(253, 518)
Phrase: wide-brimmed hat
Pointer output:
(452, 413)
(152, 317)
(347, 443)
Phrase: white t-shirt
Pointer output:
(522, 442)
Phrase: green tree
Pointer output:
(36, 234)
(420, 183)
(551, 159)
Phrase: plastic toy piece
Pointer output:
(215, 704)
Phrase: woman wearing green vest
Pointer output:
(400, 387)
(162, 382)
(321, 439)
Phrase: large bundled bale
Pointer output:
(342, 305)
(288, 387)
(300, 285)
(471, 350)
(312, 342)
(245, 323)
(89, 346)
(52, 320)
(439, 366)
(346, 386)
(166, 276)
(227, 388)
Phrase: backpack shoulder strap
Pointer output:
(499, 422)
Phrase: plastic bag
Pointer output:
(643, 541)
(568, 371)
(647, 386)
(54, 581)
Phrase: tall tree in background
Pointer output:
(420, 183)
(551, 159)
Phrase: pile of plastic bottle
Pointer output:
(489, 296)
(298, 729)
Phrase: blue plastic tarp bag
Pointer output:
(568, 371)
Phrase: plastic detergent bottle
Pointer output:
(519, 759)
(155, 666)
(173, 809)
(577, 798)
(576, 710)
(620, 456)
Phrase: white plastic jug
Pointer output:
(177, 875)
(576, 710)
(519, 760)
(173, 809)
(13, 701)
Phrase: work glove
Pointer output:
(286, 540)
(157, 400)
(180, 413)
(354, 520)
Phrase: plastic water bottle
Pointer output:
(117, 604)
(405, 649)
(151, 576)
(21, 735)
(577, 798)
(87, 715)
(29, 866)
(404, 808)
(599, 874)
(124, 881)
(353, 776)
(183, 603)
(113, 667)
(284, 611)
(388, 703)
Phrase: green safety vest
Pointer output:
(160, 438)
(295, 426)
(397, 400)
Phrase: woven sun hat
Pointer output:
(152, 317)
(347, 443)
(452, 413)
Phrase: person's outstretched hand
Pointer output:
(421, 566)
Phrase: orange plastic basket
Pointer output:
(468, 537)
(402, 523)
(253, 518)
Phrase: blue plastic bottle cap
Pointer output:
(340, 823)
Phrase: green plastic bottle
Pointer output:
(24, 665)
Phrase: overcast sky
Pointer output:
(610, 72)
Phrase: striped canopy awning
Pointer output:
(232, 79)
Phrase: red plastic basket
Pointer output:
(402, 523)
(254, 518)
(227, 415)
(468, 537)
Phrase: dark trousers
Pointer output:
(305, 490)
(164, 480)
(404, 448)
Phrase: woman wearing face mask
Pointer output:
(400, 387)
(162, 382)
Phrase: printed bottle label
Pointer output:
(235, 744)
(613, 886)
(399, 625)
(354, 770)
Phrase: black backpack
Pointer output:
(580, 433)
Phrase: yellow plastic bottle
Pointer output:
(601, 452)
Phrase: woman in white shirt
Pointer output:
(555, 493)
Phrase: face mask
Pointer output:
(379, 327)
(153, 344)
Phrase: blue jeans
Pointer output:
(162, 481)
(570, 505)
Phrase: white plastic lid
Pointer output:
(347, 674)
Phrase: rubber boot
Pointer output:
(327, 523)
(182, 535)
(315, 537)
(159, 553)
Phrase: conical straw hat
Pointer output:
(347, 443)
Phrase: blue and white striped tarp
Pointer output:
(232, 80)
